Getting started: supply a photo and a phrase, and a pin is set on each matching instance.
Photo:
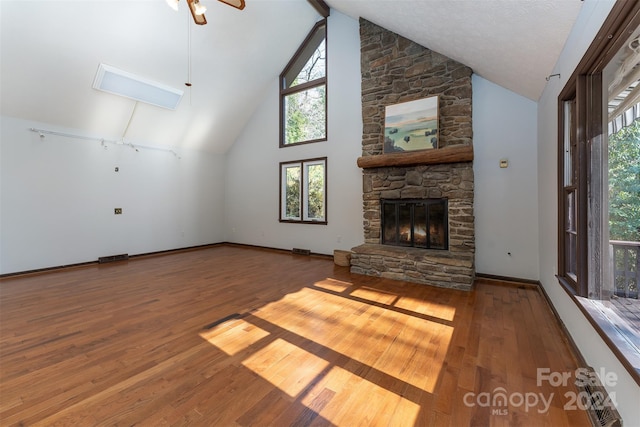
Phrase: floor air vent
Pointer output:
(299, 251)
(599, 405)
(112, 258)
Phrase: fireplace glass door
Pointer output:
(419, 223)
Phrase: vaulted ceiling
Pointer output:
(513, 43)
(50, 51)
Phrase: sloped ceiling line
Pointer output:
(514, 44)
(50, 51)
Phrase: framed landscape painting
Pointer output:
(411, 126)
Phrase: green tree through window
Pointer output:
(293, 192)
(624, 183)
(315, 177)
(303, 90)
(303, 191)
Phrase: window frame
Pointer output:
(585, 90)
(303, 218)
(322, 81)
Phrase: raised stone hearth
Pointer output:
(395, 70)
(428, 266)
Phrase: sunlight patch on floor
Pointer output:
(374, 295)
(286, 366)
(376, 342)
(360, 401)
(333, 285)
(240, 336)
(429, 308)
(409, 348)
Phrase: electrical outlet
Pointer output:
(117, 211)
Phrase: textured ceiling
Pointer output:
(50, 51)
(513, 43)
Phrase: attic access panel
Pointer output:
(118, 82)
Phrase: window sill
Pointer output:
(616, 327)
(295, 221)
(613, 328)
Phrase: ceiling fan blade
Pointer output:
(198, 19)
(238, 4)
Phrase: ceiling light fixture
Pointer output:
(173, 4)
(238, 4)
(198, 10)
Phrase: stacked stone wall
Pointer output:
(394, 70)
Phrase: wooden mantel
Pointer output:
(453, 154)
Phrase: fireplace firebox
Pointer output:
(420, 223)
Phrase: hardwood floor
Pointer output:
(232, 336)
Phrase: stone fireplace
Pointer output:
(395, 70)
(416, 223)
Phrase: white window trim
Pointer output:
(304, 191)
(283, 192)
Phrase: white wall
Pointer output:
(58, 194)
(595, 351)
(505, 127)
(253, 162)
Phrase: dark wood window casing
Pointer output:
(303, 192)
(294, 66)
(583, 93)
(581, 127)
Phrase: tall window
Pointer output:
(599, 170)
(599, 178)
(569, 196)
(303, 91)
(303, 191)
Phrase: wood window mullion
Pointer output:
(582, 166)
